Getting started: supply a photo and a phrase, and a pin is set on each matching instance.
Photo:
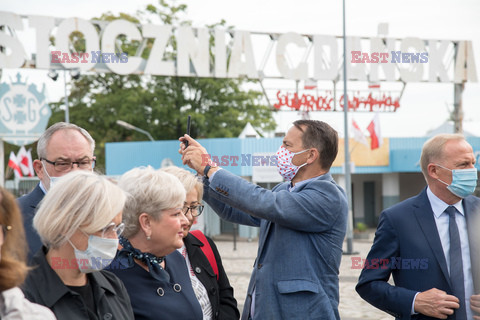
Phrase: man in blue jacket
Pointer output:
(430, 241)
(302, 224)
(63, 147)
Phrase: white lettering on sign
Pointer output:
(62, 41)
(16, 58)
(300, 72)
(232, 54)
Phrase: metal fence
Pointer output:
(21, 186)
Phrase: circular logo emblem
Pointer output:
(24, 112)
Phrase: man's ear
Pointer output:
(432, 171)
(38, 167)
(313, 155)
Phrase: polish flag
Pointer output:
(13, 163)
(375, 134)
(358, 134)
(25, 162)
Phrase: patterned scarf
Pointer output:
(153, 262)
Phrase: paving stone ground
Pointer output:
(239, 263)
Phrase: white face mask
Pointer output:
(99, 254)
(52, 179)
(285, 166)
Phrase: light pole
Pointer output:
(67, 114)
(74, 74)
(348, 178)
(129, 126)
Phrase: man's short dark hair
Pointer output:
(321, 136)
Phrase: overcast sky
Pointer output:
(424, 106)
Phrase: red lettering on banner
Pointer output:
(372, 104)
(310, 102)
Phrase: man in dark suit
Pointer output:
(425, 242)
(63, 147)
(302, 224)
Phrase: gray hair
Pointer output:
(151, 191)
(47, 135)
(188, 179)
(433, 149)
(81, 200)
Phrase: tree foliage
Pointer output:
(159, 105)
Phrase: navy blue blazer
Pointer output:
(28, 206)
(295, 275)
(408, 237)
(153, 299)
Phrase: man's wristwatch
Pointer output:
(208, 167)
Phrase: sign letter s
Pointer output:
(16, 58)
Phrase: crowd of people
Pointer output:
(91, 247)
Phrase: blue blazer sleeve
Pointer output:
(314, 209)
(226, 212)
(373, 283)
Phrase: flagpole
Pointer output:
(348, 183)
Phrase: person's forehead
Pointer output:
(456, 146)
(293, 134)
(68, 142)
(66, 135)
(457, 150)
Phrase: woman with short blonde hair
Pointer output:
(187, 178)
(89, 203)
(79, 222)
(150, 192)
(153, 272)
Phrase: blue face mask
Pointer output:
(464, 181)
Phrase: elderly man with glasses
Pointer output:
(62, 148)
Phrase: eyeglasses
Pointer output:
(113, 230)
(62, 165)
(195, 210)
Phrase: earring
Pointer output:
(148, 238)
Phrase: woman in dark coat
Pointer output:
(79, 221)
(153, 272)
(213, 289)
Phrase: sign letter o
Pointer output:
(65, 28)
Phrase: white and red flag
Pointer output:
(13, 163)
(358, 134)
(25, 162)
(375, 133)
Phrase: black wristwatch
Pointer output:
(207, 168)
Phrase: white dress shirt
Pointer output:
(442, 222)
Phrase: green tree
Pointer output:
(160, 105)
